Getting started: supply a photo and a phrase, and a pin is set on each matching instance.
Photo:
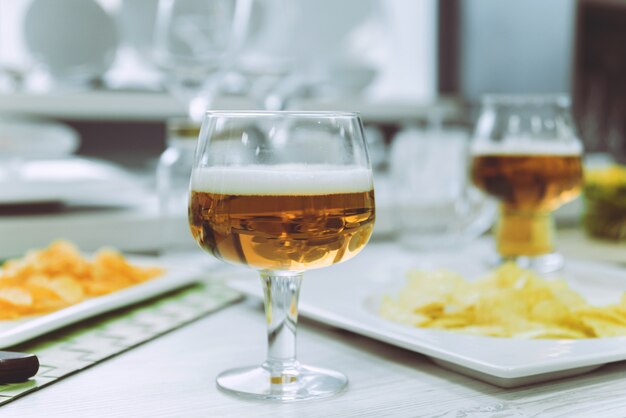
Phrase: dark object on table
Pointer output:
(17, 367)
(599, 89)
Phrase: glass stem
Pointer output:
(524, 233)
(281, 292)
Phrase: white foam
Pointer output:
(282, 180)
(526, 147)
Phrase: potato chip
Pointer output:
(507, 302)
(389, 309)
(59, 276)
(44, 298)
(16, 296)
(64, 287)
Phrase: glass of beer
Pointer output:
(526, 154)
(282, 192)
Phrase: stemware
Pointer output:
(282, 193)
(526, 154)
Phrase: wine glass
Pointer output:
(526, 154)
(194, 41)
(282, 192)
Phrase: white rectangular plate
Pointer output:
(20, 330)
(348, 295)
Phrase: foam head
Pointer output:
(526, 147)
(282, 180)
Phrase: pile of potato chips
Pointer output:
(59, 276)
(508, 302)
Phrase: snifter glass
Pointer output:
(282, 193)
(526, 154)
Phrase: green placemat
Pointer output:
(79, 346)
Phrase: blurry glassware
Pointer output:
(10, 79)
(376, 147)
(137, 21)
(435, 202)
(15, 60)
(298, 48)
(75, 41)
(527, 155)
(282, 213)
(193, 41)
(134, 68)
(173, 173)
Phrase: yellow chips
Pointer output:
(59, 276)
(509, 302)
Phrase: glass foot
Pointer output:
(546, 263)
(297, 385)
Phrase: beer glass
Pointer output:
(526, 154)
(281, 192)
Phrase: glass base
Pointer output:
(546, 263)
(302, 384)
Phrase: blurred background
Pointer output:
(99, 99)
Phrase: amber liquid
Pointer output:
(529, 187)
(529, 182)
(282, 232)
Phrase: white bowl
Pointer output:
(74, 40)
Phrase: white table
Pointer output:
(384, 380)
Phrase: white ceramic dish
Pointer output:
(74, 40)
(66, 179)
(30, 138)
(347, 296)
(17, 331)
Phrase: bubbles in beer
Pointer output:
(289, 217)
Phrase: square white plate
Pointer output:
(16, 331)
(347, 296)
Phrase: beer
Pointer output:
(282, 218)
(529, 182)
(529, 185)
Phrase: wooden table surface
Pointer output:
(173, 376)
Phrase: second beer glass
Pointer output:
(527, 155)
